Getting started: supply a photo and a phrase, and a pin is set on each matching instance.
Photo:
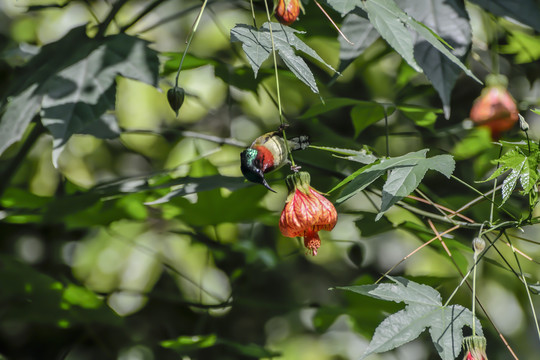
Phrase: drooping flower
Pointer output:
(495, 107)
(306, 212)
(475, 348)
(287, 11)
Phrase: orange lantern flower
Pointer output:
(287, 11)
(475, 348)
(495, 107)
(306, 212)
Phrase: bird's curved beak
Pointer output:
(266, 185)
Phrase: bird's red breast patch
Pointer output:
(265, 158)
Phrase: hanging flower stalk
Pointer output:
(306, 212)
(495, 107)
(475, 348)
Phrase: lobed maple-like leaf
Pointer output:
(423, 310)
(257, 45)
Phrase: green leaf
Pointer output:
(421, 116)
(189, 185)
(190, 62)
(257, 45)
(367, 113)
(368, 227)
(19, 112)
(363, 156)
(328, 105)
(387, 18)
(78, 96)
(406, 173)
(29, 295)
(404, 179)
(361, 33)
(343, 6)
(184, 344)
(524, 11)
(423, 310)
(77, 87)
(522, 167)
(526, 47)
(450, 21)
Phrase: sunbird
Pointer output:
(268, 153)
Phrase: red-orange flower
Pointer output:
(306, 212)
(475, 347)
(287, 11)
(495, 107)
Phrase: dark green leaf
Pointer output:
(450, 21)
(79, 95)
(361, 33)
(387, 18)
(367, 113)
(189, 185)
(368, 227)
(524, 11)
(328, 105)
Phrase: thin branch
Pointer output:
(416, 250)
(143, 13)
(110, 17)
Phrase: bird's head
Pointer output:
(251, 168)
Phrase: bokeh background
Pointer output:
(95, 264)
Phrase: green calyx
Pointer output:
(298, 181)
(476, 343)
(493, 80)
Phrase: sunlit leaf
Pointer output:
(257, 45)
(423, 310)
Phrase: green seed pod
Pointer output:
(175, 96)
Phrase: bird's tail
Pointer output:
(299, 143)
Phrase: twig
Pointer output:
(110, 17)
(143, 13)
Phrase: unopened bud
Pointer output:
(523, 124)
(175, 96)
(478, 244)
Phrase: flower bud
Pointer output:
(523, 124)
(478, 244)
(495, 107)
(287, 11)
(175, 96)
